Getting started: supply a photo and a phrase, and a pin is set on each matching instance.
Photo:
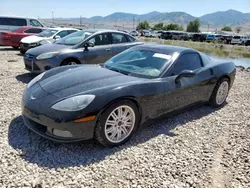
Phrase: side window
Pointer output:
(62, 34)
(13, 21)
(102, 39)
(118, 38)
(131, 39)
(33, 30)
(35, 23)
(189, 61)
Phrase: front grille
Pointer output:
(25, 45)
(37, 126)
(29, 67)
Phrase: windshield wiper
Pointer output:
(117, 70)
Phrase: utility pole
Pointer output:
(134, 23)
(53, 21)
(208, 27)
(80, 21)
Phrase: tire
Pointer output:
(217, 100)
(15, 47)
(104, 137)
(69, 62)
(22, 51)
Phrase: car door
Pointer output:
(188, 90)
(101, 52)
(120, 43)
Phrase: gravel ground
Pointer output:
(199, 148)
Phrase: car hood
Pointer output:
(84, 79)
(32, 39)
(47, 48)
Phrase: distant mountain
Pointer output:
(221, 18)
(173, 17)
(230, 17)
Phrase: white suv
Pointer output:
(237, 39)
(8, 23)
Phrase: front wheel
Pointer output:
(69, 62)
(220, 93)
(15, 47)
(117, 124)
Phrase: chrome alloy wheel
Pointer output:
(119, 124)
(222, 93)
(72, 63)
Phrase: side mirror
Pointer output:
(57, 37)
(88, 44)
(185, 73)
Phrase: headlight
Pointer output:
(34, 44)
(47, 55)
(36, 79)
(74, 103)
(43, 42)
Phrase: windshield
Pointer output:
(74, 38)
(236, 37)
(140, 63)
(47, 33)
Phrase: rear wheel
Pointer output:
(220, 93)
(117, 124)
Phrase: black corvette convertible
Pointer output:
(108, 102)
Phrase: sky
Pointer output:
(89, 8)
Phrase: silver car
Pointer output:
(82, 47)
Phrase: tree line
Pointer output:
(193, 26)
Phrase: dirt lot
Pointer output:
(200, 148)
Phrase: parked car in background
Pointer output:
(227, 39)
(200, 37)
(177, 35)
(213, 37)
(238, 39)
(10, 23)
(108, 102)
(134, 33)
(47, 36)
(185, 36)
(247, 42)
(166, 35)
(151, 34)
(82, 47)
(13, 38)
(158, 34)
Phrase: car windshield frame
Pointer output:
(142, 72)
(51, 30)
(72, 35)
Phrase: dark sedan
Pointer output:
(108, 102)
(82, 47)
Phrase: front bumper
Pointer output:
(38, 66)
(25, 47)
(43, 125)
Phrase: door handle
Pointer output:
(108, 50)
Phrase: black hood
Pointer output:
(83, 79)
(47, 48)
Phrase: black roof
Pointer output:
(167, 49)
